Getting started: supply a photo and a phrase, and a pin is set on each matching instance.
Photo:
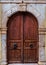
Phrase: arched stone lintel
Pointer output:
(21, 7)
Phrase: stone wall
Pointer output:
(39, 10)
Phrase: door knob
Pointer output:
(31, 45)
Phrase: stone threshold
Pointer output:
(25, 64)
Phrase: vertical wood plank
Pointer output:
(22, 39)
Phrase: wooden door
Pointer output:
(22, 38)
(30, 39)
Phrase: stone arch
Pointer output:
(10, 11)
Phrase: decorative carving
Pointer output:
(22, 7)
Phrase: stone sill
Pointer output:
(25, 64)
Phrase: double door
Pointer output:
(22, 39)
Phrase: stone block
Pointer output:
(41, 41)
(41, 53)
(0, 14)
(0, 48)
(22, 7)
(33, 9)
(4, 49)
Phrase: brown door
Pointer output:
(22, 38)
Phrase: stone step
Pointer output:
(25, 64)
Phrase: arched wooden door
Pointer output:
(22, 38)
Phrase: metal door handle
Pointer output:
(31, 45)
(15, 46)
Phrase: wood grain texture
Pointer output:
(22, 31)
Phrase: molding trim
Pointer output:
(27, 2)
(42, 31)
(3, 30)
